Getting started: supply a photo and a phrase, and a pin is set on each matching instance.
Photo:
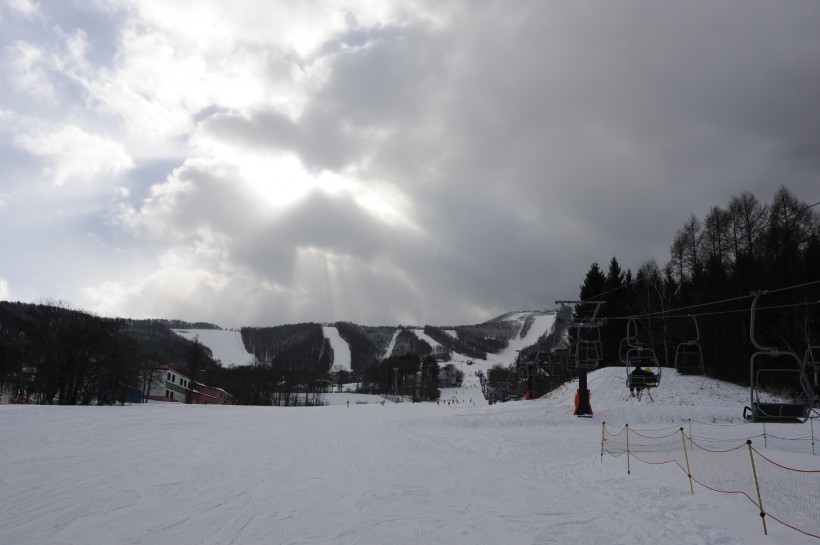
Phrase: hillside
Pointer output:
(354, 346)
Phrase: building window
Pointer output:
(173, 378)
(169, 376)
(172, 395)
(167, 393)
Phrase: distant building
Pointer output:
(170, 383)
(208, 395)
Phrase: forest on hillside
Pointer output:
(51, 352)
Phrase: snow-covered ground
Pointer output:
(520, 472)
(341, 350)
(226, 345)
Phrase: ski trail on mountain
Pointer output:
(341, 350)
(389, 351)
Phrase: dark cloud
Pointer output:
(521, 141)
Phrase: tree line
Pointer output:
(715, 265)
(407, 375)
(53, 353)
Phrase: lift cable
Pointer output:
(730, 300)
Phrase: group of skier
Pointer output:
(640, 379)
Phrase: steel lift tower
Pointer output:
(588, 348)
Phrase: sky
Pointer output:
(382, 162)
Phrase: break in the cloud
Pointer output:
(383, 162)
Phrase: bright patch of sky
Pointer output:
(382, 162)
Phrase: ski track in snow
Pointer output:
(341, 350)
(460, 473)
(520, 472)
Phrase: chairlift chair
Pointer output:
(643, 370)
(587, 355)
(688, 354)
(588, 347)
(542, 363)
(569, 362)
(763, 364)
(557, 366)
(623, 349)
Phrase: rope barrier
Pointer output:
(792, 496)
(780, 436)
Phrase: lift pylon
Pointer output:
(588, 352)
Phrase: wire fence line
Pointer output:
(801, 438)
(789, 496)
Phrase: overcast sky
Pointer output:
(442, 162)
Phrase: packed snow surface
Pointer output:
(226, 345)
(341, 350)
(438, 473)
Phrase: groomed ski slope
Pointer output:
(520, 472)
(541, 324)
(226, 345)
(341, 350)
(469, 366)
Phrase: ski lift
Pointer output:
(588, 348)
(587, 352)
(768, 411)
(623, 349)
(642, 367)
(569, 362)
(688, 354)
(558, 353)
(557, 366)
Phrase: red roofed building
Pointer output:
(208, 395)
(171, 383)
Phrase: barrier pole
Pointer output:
(765, 443)
(628, 467)
(690, 434)
(811, 421)
(603, 435)
(757, 486)
(686, 457)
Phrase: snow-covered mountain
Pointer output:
(354, 344)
